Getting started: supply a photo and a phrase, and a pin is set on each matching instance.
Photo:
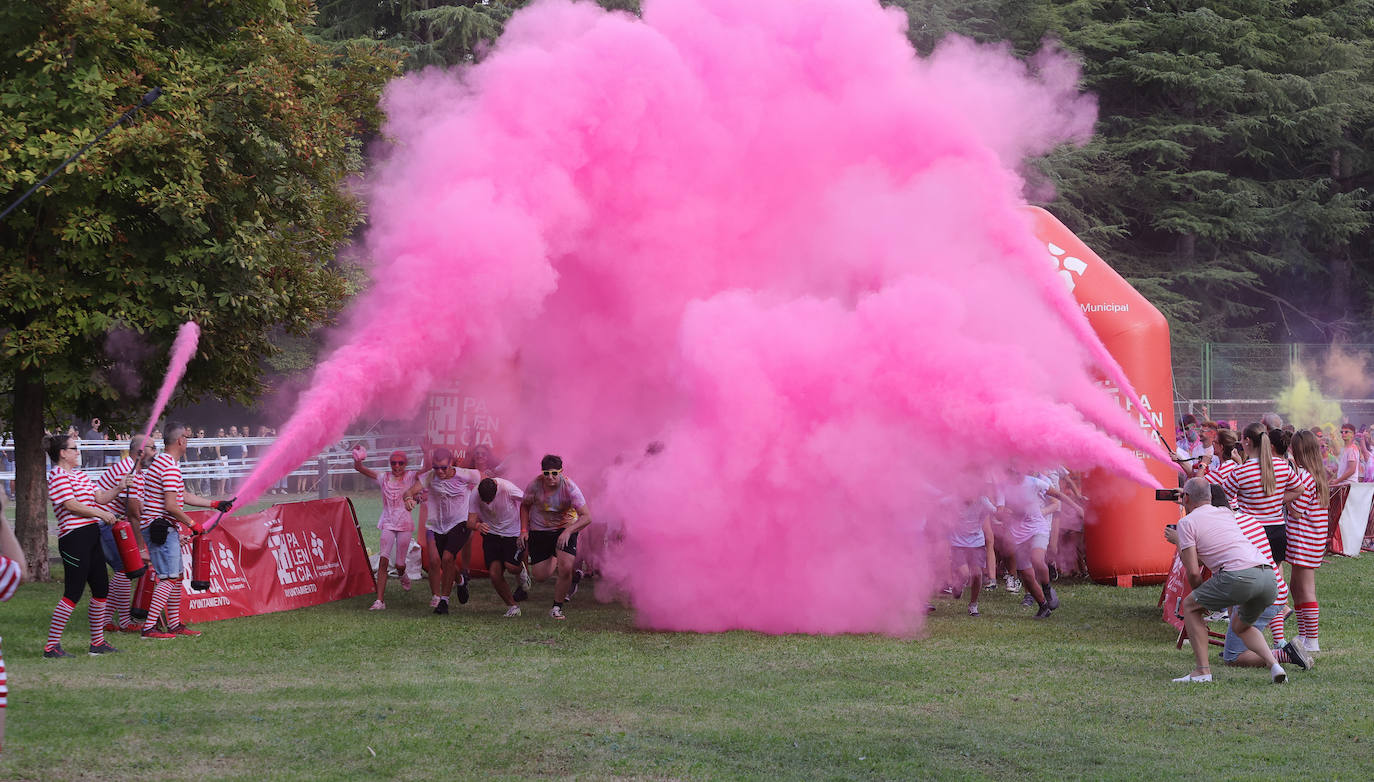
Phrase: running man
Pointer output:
(552, 512)
(503, 538)
(451, 520)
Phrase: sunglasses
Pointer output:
(398, 464)
(440, 466)
(552, 473)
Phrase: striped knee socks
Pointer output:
(1308, 615)
(161, 593)
(1276, 628)
(121, 595)
(98, 613)
(60, 615)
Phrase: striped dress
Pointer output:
(1254, 532)
(1245, 489)
(1307, 525)
(9, 581)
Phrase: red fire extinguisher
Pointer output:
(200, 561)
(143, 595)
(127, 542)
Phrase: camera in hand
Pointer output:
(1168, 495)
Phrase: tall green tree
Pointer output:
(223, 203)
(1230, 177)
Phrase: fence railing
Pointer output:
(336, 460)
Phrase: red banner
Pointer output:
(289, 556)
(1176, 588)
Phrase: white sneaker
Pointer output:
(1310, 644)
(557, 613)
(525, 582)
(1206, 677)
(1012, 583)
(512, 611)
(377, 605)
(434, 601)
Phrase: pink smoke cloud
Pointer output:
(764, 234)
(183, 349)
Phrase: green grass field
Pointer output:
(338, 692)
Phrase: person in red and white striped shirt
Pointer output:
(128, 505)
(79, 508)
(11, 574)
(1307, 530)
(164, 501)
(1261, 485)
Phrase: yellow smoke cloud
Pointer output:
(1303, 404)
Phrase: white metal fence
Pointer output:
(230, 459)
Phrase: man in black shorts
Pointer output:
(503, 541)
(551, 513)
(450, 522)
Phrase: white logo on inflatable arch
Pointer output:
(1066, 264)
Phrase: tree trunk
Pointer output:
(30, 480)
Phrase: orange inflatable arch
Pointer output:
(1123, 531)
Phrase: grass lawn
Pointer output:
(313, 694)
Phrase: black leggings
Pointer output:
(83, 563)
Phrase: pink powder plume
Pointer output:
(183, 349)
(765, 235)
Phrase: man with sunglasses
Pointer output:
(552, 512)
(452, 517)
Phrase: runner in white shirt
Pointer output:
(1030, 532)
(451, 520)
(503, 539)
(968, 541)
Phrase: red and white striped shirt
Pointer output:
(9, 578)
(110, 478)
(1245, 489)
(162, 476)
(1254, 532)
(64, 486)
(1218, 474)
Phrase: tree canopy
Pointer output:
(224, 202)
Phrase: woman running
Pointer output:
(396, 523)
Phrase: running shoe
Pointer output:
(1054, 572)
(102, 648)
(1028, 600)
(576, 579)
(1044, 612)
(1053, 600)
(525, 578)
(1278, 674)
(1190, 678)
(463, 593)
(520, 594)
(377, 605)
(118, 628)
(434, 601)
(1216, 616)
(973, 609)
(1298, 655)
(557, 613)
(990, 585)
(55, 652)
(947, 591)
(157, 635)
(182, 629)
(405, 582)
(442, 607)
(513, 611)
(1310, 644)
(1013, 584)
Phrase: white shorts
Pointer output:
(395, 545)
(1040, 540)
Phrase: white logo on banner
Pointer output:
(226, 559)
(1066, 264)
